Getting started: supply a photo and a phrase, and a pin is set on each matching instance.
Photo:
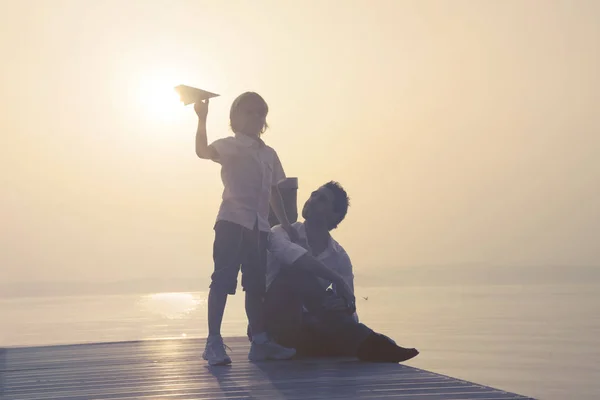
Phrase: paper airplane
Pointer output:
(191, 95)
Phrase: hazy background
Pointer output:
(466, 133)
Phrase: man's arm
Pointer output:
(345, 270)
(292, 255)
(311, 265)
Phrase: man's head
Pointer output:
(329, 204)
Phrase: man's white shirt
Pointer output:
(283, 252)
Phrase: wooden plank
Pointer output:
(174, 369)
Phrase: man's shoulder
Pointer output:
(339, 251)
(281, 248)
(336, 246)
(278, 229)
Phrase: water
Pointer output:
(537, 340)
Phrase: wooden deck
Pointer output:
(174, 369)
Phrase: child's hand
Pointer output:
(201, 109)
(292, 233)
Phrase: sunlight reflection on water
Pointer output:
(171, 305)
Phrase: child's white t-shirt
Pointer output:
(249, 169)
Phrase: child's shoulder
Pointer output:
(226, 139)
(270, 149)
(225, 146)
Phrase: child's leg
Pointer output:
(217, 299)
(227, 254)
(254, 270)
(255, 313)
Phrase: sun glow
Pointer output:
(158, 98)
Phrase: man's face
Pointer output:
(320, 206)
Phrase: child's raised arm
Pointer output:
(203, 150)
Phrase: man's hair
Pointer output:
(243, 98)
(341, 201)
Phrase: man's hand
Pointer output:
(292, 233)
(335, 303)
(201, 108)
(344, 291)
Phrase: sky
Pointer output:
(465, 132)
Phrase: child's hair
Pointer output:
(244, 98)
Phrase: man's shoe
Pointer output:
(269, 351)
(215, 352)
(401, 354)
(380, 348)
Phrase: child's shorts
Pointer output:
(236, 246)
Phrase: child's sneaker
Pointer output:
(269, 351)
(214, 352)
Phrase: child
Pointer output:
(250, 171)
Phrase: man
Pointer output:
(310, 303)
